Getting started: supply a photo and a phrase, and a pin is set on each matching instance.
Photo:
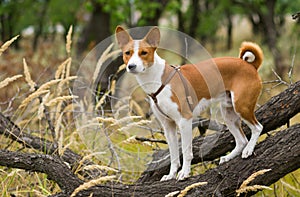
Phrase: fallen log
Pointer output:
(280, 153)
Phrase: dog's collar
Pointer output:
(164, 83)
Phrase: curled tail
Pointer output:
(251, 53)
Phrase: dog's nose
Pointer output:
(131, 66)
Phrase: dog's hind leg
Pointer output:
(171, 136)
(244, 104)
(233, 122)
(246, 111)
(256, 129)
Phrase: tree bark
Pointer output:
(273, 114)
(53, 166)
(280, 153)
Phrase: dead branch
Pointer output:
(53, 166)
(12, 131)
(280, 153)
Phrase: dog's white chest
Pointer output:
(166, 105)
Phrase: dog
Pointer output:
(180, 93)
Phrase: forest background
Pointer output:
(56, 35)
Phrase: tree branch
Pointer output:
(280, 153)
(53, 166)
(10, 130)
(273, 114)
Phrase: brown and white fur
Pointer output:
(241, 87)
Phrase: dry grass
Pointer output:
(28, 79)
(92, 183)
(32, 96)
(8, 80)
(184, 192)
(188, 188)
(51, 97)
(244, 188)
(69, 40)
(5, 46)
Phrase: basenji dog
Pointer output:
(180, 93)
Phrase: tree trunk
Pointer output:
(229, 30)
(271, 35)
(97, 29)
(180, 18)
(40, 25)
(195, 7)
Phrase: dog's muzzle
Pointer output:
(131, 67)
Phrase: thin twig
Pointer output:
(281, 81)
(292, 64)
(291, 69)
(143, 139)
(112, 150)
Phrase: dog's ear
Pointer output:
(122, 36)
(153, 37)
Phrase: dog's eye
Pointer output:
(144, 53)
(127, 53)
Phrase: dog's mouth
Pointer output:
(135, 71)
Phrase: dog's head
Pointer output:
(138, 55)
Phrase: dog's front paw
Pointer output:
(168, 177)
(223, 159)
(183, 174)
(248, 150)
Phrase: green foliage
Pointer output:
(16, 22)
(20, 14)
(173, 6)
(119, 11)
(63, 12)
(147, 12)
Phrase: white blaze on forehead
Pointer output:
(136, 46)
(135, 58)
